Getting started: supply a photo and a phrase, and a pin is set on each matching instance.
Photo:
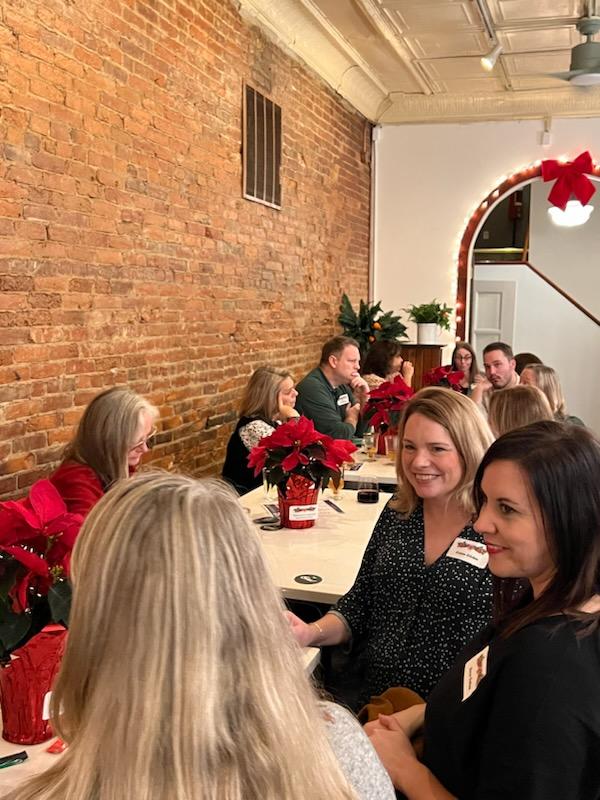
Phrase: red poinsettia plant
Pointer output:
(37, 535)
(385, 404)
(444, 376)
(296, 448)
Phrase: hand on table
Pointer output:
(301, 631)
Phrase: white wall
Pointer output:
(428, 181)
(569, 256)
(549, 326)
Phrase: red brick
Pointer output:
(156, 273)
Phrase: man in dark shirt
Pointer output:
(333, 394)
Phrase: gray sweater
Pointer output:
(358, 759)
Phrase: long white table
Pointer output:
(319, 563)
(383, 470)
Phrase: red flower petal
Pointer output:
(46, 501)
(32, 561)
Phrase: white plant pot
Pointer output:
(427, 333)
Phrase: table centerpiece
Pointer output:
(37, 535)
(299, 461)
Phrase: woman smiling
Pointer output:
(518, 714)
(423, 589)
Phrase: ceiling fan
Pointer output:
(585, 57)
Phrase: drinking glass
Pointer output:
(392, 445)
(370, 444)
(337, 482)
(368, 491)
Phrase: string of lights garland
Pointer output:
(505, 185)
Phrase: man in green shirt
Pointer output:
(333, 394)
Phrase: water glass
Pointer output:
(370, 444)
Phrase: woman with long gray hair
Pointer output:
(116, 429)
(180, 679)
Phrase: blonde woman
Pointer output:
(423, 589)
(115, 431)
(514, 408)
(546, 379)
(180, 680)
(268, 400)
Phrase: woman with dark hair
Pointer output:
(518, 714)
(523, 359)
(384, 362)
(464, 360)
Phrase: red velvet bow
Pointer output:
(570, 179)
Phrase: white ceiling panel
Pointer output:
(506, 11)
(535, 82)
(461, 43)
(417, 16)
(451, 68)
(537, 63)
(515, 41)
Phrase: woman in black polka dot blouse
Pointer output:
(423, 590)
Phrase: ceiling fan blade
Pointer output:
(566, 76)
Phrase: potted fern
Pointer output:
(430, 316)
(370, 324)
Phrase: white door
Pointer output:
(493, 317)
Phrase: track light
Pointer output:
(489, 62)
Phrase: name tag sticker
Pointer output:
(46, 706)
(467, 550)
(343, 400)
(475, 672)
(304, 512)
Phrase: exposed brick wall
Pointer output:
(127, 255)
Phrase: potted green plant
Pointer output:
(370, 324)
(430, 316)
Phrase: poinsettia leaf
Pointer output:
(46, 501)
(13, 627)
(32, 561)
(17, 520)
(59, 599)
(9, 570)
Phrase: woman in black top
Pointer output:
(518, 715)
(423, 589)
(269, 399)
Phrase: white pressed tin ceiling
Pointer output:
(421, 58)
